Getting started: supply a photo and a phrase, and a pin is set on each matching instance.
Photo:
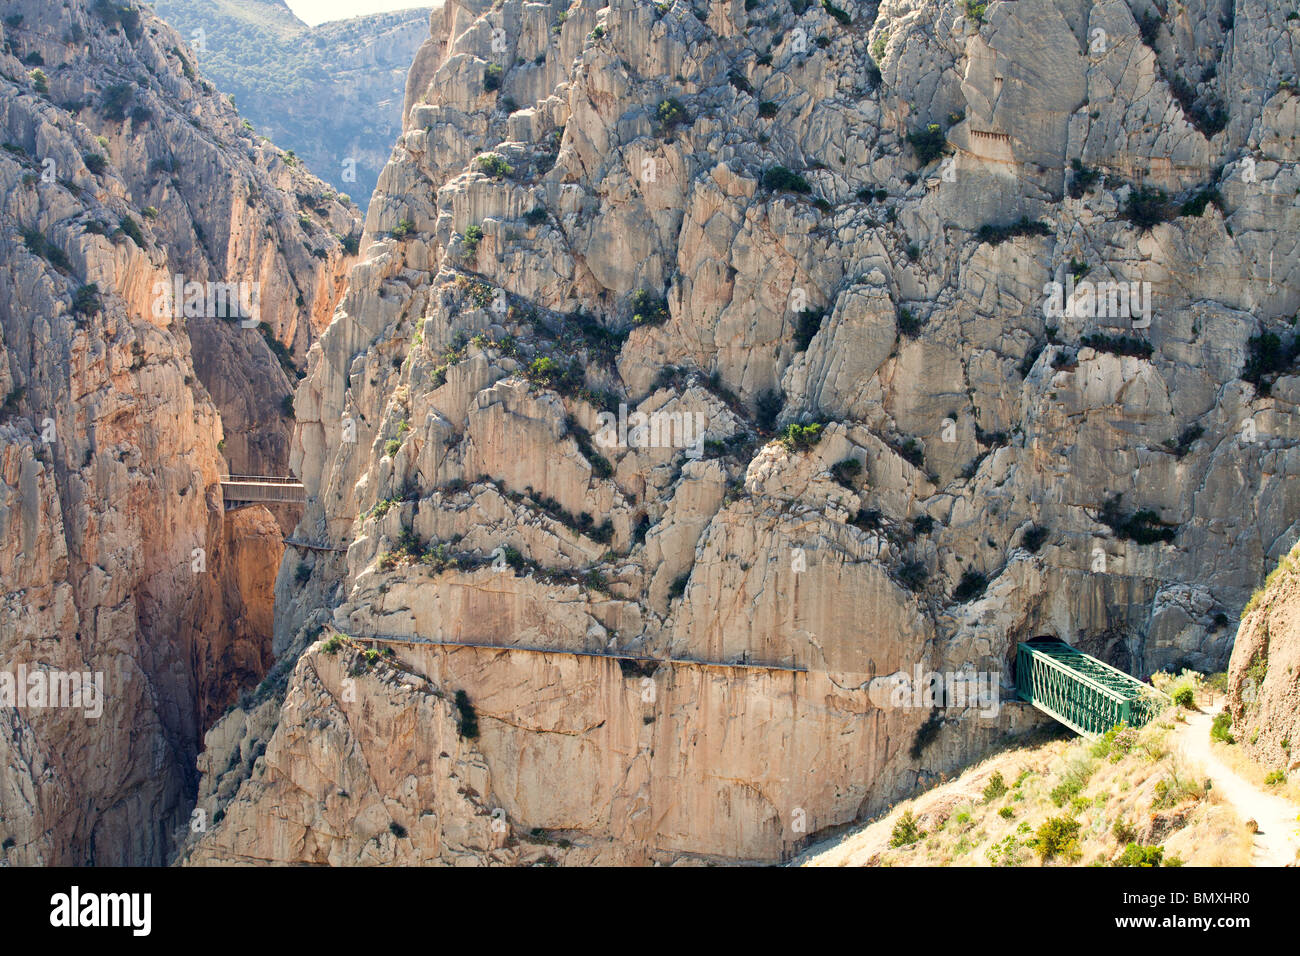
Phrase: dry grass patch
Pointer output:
(1122, 799)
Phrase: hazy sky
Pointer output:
(318, 11)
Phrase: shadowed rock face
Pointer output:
(122, 169)
(1119, 480)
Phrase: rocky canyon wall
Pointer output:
(830, 232)
(122, 169)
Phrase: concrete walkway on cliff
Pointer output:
(568, 652)
(1277, 839)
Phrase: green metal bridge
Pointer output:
(1080, 691)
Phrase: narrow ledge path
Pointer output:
(1277, 840)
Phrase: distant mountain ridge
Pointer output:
(331, 93)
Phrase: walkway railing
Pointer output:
(253, 489)
(635, 659)
(307, 546)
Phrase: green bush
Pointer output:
(1146, 207)
(1174, 790)
(1065, 792)
(647, 309)
(1082, 179)
(798, 437)
(132, 229)
(1073, 780)
(928, 142)
(1033, 538)
(1195, 206)
(1149, 27)
(10, 407)
(878, 47)
(1006, 813)
(1129, 345)
(912, 574)
(1057, 836)
(473, 236)
(912, 452)
(1184, 697)
(740, 82)
(778, 178)
(908, 323)
(1143, 526)
(1275, 777)
(492, 77)
(671, 113)
(1206, 113)
(905, 831)
(1186, 439)
(840, 16)
(971, 586)
(38, 245)
(494, 165)
(995, 788)
(543, 368)
(766, 408)
(845, 471)
(468, 723)
(996, 235)
(1267, 357)
(600, 465)
(548, 373)
(332, 645)
(1115, 743)
(113, 102)
(767, 109)
(119, 15)
(1135, 854)
(86, 300)
(810, 322)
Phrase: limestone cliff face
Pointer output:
(847, 218)
(122, 169)
(1264, 675)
